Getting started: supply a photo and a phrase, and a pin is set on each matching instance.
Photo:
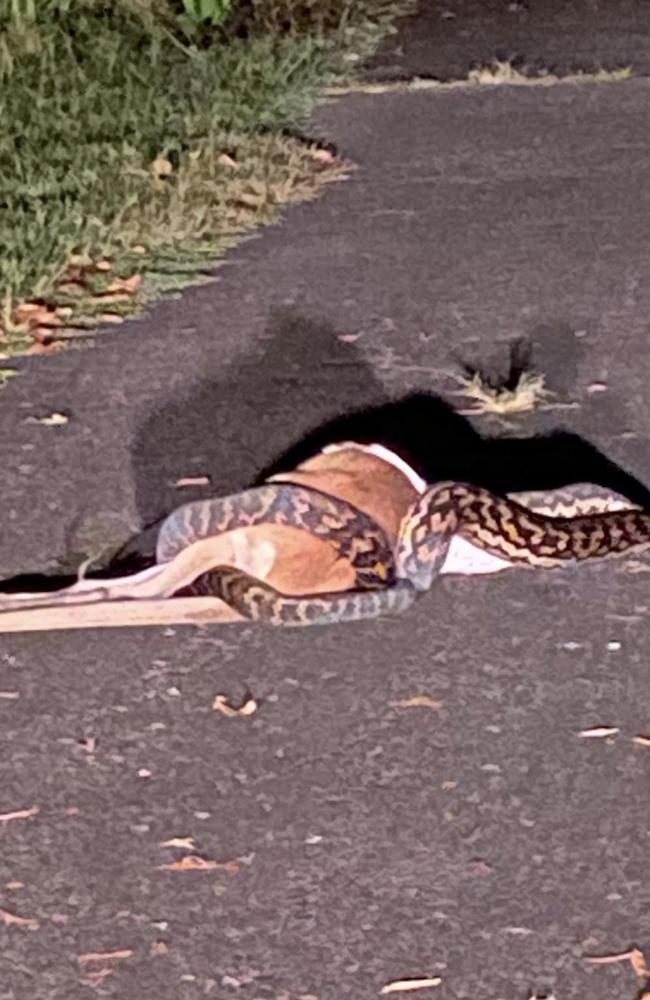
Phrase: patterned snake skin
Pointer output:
(544, 529)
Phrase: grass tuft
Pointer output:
(126, 144)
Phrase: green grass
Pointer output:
(125, 139)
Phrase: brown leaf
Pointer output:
(185, 843)
(158, 948)
(193, 481)
(12, 920)
(409, 985)
(194, 863)
(90, 957)
(19, 814)
(161, 167)
(418, 701)
(634, 956)
(128, 285)
(322, 155)
(223, 705)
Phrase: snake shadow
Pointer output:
(303, 388)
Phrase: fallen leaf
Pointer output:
(418, 701)
(19, 814)
(162, 167)
(227, 161)
(12, 920)
(104, 956)
(103, 265)
(53, 420)
(185, 843)
(223, 705)
(158, 948)
(24, 310)
(408, 985)
(478, 867)
(642, 741)
(97, 977)
(9, 695)
(634, 956)
(597, 387)
(322, 155)
(639, 964)
(113, 318)
(128, 285)
(14, 884)
(194, 863)
(599, 732)
(193, 481)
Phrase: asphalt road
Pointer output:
(481, 841)
(448, 38)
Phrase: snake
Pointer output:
(388, 579)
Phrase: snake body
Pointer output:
(387, 580)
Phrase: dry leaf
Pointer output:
(634, 956)
(227, 161)
(223, 705)
(193, 481)
(158, 948)
(408, 985)
(597, 387)
(128, 285)
(599, 732)
(639, 964)
(10, 695)
(11, 920)
(641, 741)
(322, 155)
(53, 420)
(19, 814)
(113, 318)
(194, 863)
(185, 843)
(104, 956)
(103, 265)
(418, 701)
(162, 167)
(97, 977)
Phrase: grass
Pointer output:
(132, 156)
(525, 394)
(517, 390)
